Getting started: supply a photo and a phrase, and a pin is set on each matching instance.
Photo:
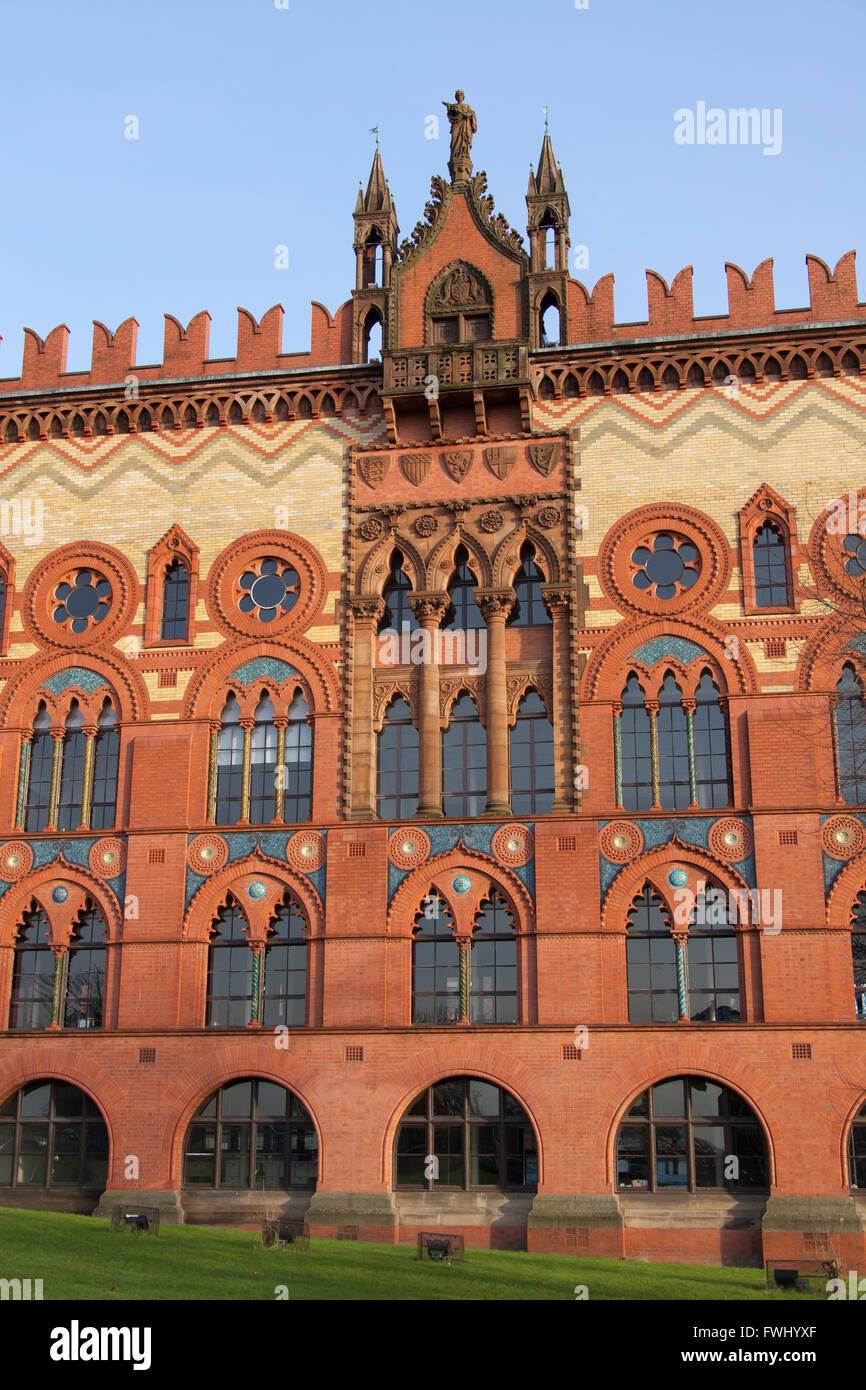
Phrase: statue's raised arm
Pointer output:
(463, 126)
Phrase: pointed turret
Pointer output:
(548, 212)
(376, 232)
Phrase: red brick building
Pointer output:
(431, 788)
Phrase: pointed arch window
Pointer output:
(678, 758)
(230, 970)
(635, 792)
(284, 978)
(436, 965)
(529, 609)
(858, 958)
(549, 318)
(32, 973)
(851, 738)
(4, 585)
(673, 748)
(263, 763)
(493, 964)
(266, 985)
(230, 763)
(175, 602)
(72, 771)
(298, 762)
(651, 961)
(398, 616)
(531, 750)
(84, 984)
(464, 762)
(711, 756)
(771, 567)
(397, 763)
(106, 755)
(463, 612)
(66, 988)
(39, 772)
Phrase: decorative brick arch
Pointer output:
(441, 565)
(485, 302)
(235, 880)
(605, 671)
(174, 545)
(19, 701)
(506, 558)
(58, 1062)
(208, 688)
(840, 518)
(36, 887)
(653, 867)
(375, 571)
(843, 894)
(687, 677)
(7, 575)
(768, 505)
(824, 655)
(439, 872)
(384, 692)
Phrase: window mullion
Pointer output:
(90, 733)
(59, 736)
(247, 727)
(689, 711)
(617, 752)
(652, 708)
(23, 778)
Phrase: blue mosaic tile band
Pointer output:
(263, 666)
(74, 852)
(691, 830)
(858, 642)
(74, 675)
(243, 842)
(475, 836)
(679, 647)
(833, 867)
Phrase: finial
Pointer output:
(546, 110)
(374, 130)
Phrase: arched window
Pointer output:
(106, 756)
(251, 1133)
(398, 616)
(32, 974)
(298, 760)
(435, 965)
(230, 971)
(72, 771)
(478, 1135)
(371, 343)
(682, 1134)
(397, 763)
(263, 763)
(84, 983)
(712, 779)
(372, 260)
(858, 954)
(464, 762)
(636, 791)
(493, 964)
(851, 738)
(463, 612)
(770, 552)
(284, 978)
(857, 1150)
(713, 960)
(651, 961)
(673, 748)
(230, 762)
(39, 777)
(175, 602)
(52, 1135)
(549, 320)
(3, 589)
(529, 609)
(532, 758)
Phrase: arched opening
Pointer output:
(371, 343)
(549, 320)
(372, 260)
(397, 763)
(464, 762)
(690, 1134)
(467, 1134)
(52, 1135)
(251, 1134)
(531, 758)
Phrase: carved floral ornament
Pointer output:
(664, 559)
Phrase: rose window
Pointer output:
(83, 602)
(270, 587)
(666, 567)
(856, 563)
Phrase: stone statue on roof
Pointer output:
(463, 126)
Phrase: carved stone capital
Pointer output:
(429, 607)
(556, 597)
(367, 608)
(495, 603)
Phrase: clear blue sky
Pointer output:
(254, 132)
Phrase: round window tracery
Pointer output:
(268, 588)
(82, 600)
(855, 548)
(667, 566)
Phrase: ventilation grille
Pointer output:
(156, 856)
(803, 1051)
(570, 1053)
(577, 1238)
(775, 648)
(566, 843)
(356, 850)
(347, 1233)
(354, 1054)
(167, 678)
(787, 837)
(147, 1054)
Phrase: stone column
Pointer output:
(247, 725)
(496, 604)
(56, 1001)
(90, 732)
(557, 598)
(54, 796)
(213, 750)
(652, 709)
(429, 609)
(23, 779)
(681, 944)
(689, 707)
(367, 609)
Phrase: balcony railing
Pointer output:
(453, 366)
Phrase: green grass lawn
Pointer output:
(77, 1257)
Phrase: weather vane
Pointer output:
(546, 110)
(374, 130)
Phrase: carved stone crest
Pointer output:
(501, 460)
(543, 456)
(374, 469)
(416, 467)
(458, 463)
(461, 289)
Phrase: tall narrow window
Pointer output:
(673, 748)
(263, 763)
(39, 781)
(398, 616)
(711, 746)
(105, 763)
(493, 964)
(463, 612)
(532, 758)
(851, 738)
(3, 588)
(464, 762)
(32, 973)
(714, 960)
(175, 602)
(284, 978)
(230, 971)
(770, 553)
(858, 955)
(397, 763)
(72, 771)
(651, 961)
(529, 609)
(85, 972)
(637, 779)
(230, 762)
(298, 755)
(435, 965)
